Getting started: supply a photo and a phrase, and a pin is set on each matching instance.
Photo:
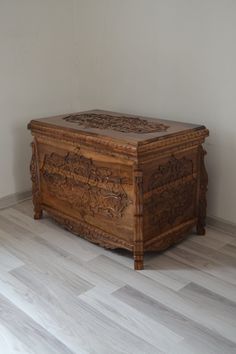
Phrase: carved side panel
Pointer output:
(170, 193)
(169, 205)
(90, 189)
(35, 182)
(202, 194)
(170, 171)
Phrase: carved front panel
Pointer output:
(89, 189)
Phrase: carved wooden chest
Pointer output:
(118, 180)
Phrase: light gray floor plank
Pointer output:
(50, 259)
(46, 315)
(197, 338)
(210, 301)
(134, 321)
(168, 297)
(38, 278)
(224, 272)
(180, 270)
(233, 241)
(33, 251)
(172, 282)
(92, 301)
(25, 207)
(51, 233)
(229, 249)
(8, 261)
(79, 326)
(28, 331)
(218, 256)
(213, 239)
(9, 344)
(25, 221)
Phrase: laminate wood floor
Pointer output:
(61, 294)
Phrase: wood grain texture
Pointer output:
(120, 181)
(186, 273)
(174, 300)
(131, 319)
(10, 344)
(198, 338)
(38, 340)
(8, 260)
(207, 299)
(61, 294)
(226, 272)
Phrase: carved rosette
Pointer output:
(202, 194)
(123, 124)
(91, 190)
(35, 183)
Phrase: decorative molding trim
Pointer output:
(221, 225)
(15, 198)
(169, 141)
(151, 157)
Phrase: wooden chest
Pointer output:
(118, 180)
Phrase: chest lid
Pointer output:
(129, 131)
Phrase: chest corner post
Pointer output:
(138, 250)
(35, 178)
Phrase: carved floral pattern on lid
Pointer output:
(121, 123)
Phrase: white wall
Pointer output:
(36, 78)
(172, 59)
(167, 58)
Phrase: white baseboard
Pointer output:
(13, 199)
(221, 224)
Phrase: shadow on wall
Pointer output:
(21, 157)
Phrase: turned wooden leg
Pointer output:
(200, 229)
(138, 261)
(201, 223)
(38, 214)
